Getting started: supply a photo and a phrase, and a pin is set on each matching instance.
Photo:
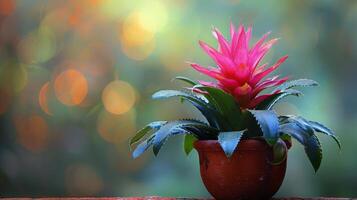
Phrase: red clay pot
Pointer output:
(248, 174)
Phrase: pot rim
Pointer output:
(252, 144)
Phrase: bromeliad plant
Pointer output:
(234, 107)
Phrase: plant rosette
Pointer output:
(242, 143)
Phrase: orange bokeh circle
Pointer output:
(118, 97)
(43, 98)
(71, 87)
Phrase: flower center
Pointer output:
(243, 90)
(241, 66)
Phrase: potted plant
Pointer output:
(242, 143)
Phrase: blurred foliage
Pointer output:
(76, 78)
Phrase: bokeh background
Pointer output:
(76, 78)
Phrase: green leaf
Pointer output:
(285, 137)
(304, 124)
(214, 118)
(302, 133)
(225, 104)
(314, 151)
(294, 83)
(201, 131)
(268, 123)
(318, 127)
(229, 141)
(301, 122)
(164, 94)
(294, 131)
(283, 119)
(173, 128)
(142, 147)
(268, 103)
(141, 133)
(188, 143)
(185, 79)
(284, 91)
(165, 130)
(279, 152)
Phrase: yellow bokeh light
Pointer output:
(116, 128)
(32, 132)
(153, 15)
(57, 21)
(37, 47)
(118, 97)
(139, 52)
(137, 42)
(43, 98)
(71, 87)
(115, 8)
(133, 33)
(137, 32)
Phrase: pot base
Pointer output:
(248, 174)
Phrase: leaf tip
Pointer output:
(315, 83)
(316, 165)
(156, 150)
(316, 169)
(135, 154)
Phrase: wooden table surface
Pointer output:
(168, 198)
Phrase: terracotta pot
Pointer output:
(248, 174)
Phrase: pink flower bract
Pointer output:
(238, 70)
